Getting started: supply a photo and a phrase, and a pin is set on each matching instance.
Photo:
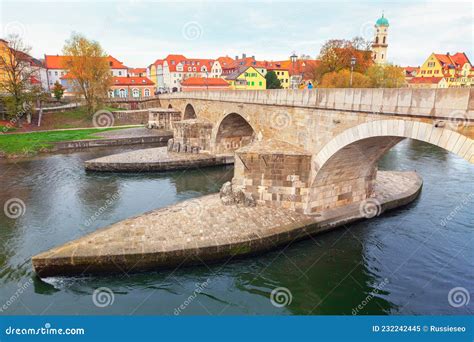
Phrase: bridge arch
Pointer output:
(189, 112)
(233, 132)
(346, 167)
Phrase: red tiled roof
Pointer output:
(129, 81)
(225, 61)
(423, 80)
(137, 70)
(115, 63)
(198, 63)
(202, 81)
(410, 69)
(57, 62)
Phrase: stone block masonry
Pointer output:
(163, 118)
(275, 173)
(192, 135)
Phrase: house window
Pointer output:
(260, 83)
(56, 73)
(122, 93)
(384, 40)
(147, 92)
(120, 73)
(135, 92)
(111, 93)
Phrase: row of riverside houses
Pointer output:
(442, 71)
(179, 73)
(126, 82)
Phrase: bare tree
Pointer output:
(18, 71)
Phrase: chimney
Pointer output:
(447, 53)
(253, 57)
(236, 57)
(244, 56)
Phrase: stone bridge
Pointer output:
(310, 150)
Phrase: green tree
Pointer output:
(272, 80)
(88, 69)
(386, 76)
(58, 91)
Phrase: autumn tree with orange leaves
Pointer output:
(88, 70)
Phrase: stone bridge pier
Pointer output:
(314, 150)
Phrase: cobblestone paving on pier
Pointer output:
(135, 132)
(205, 229)
(149, 155)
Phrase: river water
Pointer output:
(403, 262)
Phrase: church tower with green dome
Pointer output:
(380, 43)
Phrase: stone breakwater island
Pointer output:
(210, 229)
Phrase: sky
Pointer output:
(138, 32)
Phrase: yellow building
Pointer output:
(456, 70)
(282, 74)
(246, 78)
(5, 55)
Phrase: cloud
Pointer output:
(139, 32)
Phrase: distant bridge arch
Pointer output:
(232, 133)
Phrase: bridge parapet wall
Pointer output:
(432, 103)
